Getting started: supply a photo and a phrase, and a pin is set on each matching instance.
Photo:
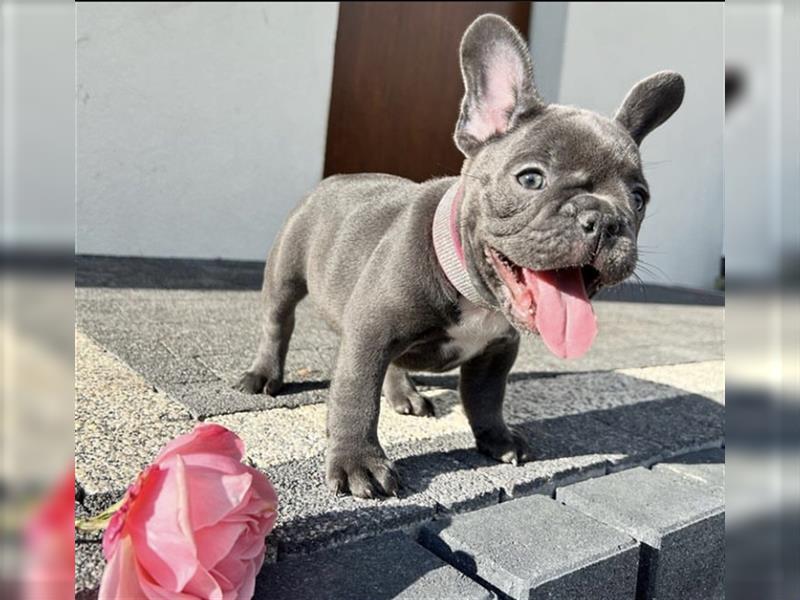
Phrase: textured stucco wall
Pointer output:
(199, 125)
(592, 54)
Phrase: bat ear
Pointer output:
(650, 102)
(498, 81)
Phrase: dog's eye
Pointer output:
(639, 200)
(531, 179)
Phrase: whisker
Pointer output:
(644, 263)
(638, 284)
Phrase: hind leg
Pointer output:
(283, 288)
(403, 396)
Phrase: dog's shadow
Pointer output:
(301, 387)
(665, 423)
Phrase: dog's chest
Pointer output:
(477, 328)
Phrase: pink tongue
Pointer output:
(564, 315)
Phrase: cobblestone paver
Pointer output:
(152, 362)
(680, 525)
(538, 548)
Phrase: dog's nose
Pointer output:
(589, 221)
(594, 222)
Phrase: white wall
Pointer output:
(609, 46)
(546, 32)
(753, 153)
(199, 125)
(38, 156)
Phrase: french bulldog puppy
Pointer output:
(447, 273)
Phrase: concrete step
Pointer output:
(151, 362)
(680, 525)
(537, 548)
(388, 566)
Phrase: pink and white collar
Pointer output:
(447, 244)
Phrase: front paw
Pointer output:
(413, 404)
(507, 446)
(253, 382)
(365, 473)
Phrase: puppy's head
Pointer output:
(554, 196)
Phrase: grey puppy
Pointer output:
(446, 273)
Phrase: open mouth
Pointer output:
(553, 302)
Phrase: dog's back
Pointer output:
(352, 212)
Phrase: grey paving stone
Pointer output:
(659, 293)
(705, 468)
(311, 518)
(578, 410)
(537, 548)
(202, 323)
(553, 465)
(605, 356)
(194, 345)
(196, 340)
(81, 513)
(584, 435)
(302, 365)
(89, 565)
(566, 450)
(218, 274)
(681, 424)
(99, 501)
(567, 408)
(431, 466)
(219, 398)
(680, 526)
(147, 355)
(87, 536)
(120, 424)
(388, 566)
(546, 395)
(637, 335)
(312, 333)
(167, 272)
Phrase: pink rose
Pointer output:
(192, 525)
(49, 545)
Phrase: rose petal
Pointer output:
(217, 542)
(229, 590)
(116, 524)
(196, 528)
(153, 591)
(248, 586)
(161, 534)
(249, 546)
(258, 513)
(120, 576)
(213, 496)
(203, 585)
(263, 487)
(232, 568)
(206, 438)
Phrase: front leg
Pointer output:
(482, 386)
(402, 394)
(355, 461)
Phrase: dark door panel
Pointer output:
(397, 85)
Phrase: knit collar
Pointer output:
(447, 244)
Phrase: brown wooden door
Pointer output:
(397, 85)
